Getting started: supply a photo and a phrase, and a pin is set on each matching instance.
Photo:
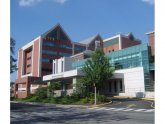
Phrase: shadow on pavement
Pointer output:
(60, 115)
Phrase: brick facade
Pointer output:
(151, 38)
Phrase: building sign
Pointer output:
(57, 76)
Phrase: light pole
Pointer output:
(95, 94)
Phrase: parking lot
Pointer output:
(120, 112)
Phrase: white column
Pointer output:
(120, 42)
(63, 87)
(95, 95)
(53, 67)
(74, 83)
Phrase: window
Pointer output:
(65, 46)
(29, 58)
(62, 66)
(121, 85)
(47, 60)
(48, 43)
(29, 65)
(97, 44)
(49, 52)
(80, 48)
(65, 54)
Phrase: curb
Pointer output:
(101, 104)
(150, 99)
(50, 104)
(122, 97)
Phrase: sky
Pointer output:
(80, 19)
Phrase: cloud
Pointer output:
(60, 1)
(28, 2)
(25, 3)
(151, 2)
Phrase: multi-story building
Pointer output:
(53, 56)
(35, 58)
(131, 77)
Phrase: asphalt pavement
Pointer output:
(131, 103)
(40, 114)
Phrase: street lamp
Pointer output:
(95, 94)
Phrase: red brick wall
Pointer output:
(22, 85)
(126, 42)
(36, 53)
(19, 63)
(28, 69)
(21, 94)
(92, 44)
(114, 47)
(152, 43)
(21, 80)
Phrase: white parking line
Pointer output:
(139, 110)
(100, 108)
(93, 108)
(150, 110)
(119, 109)
(122, 109)
(109, 108)
(128, 110)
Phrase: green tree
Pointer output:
(80, 89)
(52, 87)
(41, 93)
(97, 70)
(13, 66)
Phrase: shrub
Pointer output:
(101, 98)
(31, 99)
(75, 95)
(91, 101)
(64, 100)
(47, 100)
(41, 93)
(85, 100)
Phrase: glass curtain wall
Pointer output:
(136, 56)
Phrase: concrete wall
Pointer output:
(67, 64)
(150, 95)
(126, 42)
(57, 65)
(133, 82)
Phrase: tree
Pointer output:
(97, 70)
(41, 93)
(52, 87)
(80, 89)
(13, 66)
